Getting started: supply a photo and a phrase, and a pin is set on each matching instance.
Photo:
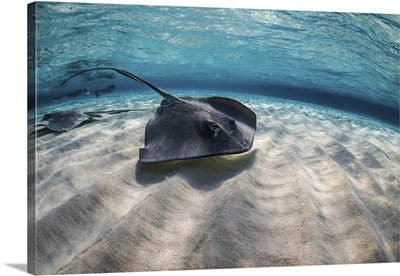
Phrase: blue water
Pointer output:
(345, 61)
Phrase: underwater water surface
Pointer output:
(347, 61)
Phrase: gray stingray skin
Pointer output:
(180, 131)
(187, 127)
(60, 121)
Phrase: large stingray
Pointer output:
(188, 127)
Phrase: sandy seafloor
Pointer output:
(319, 186)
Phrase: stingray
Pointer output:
(102, 91)
(189, 127)
(60, 121)
(77, 93)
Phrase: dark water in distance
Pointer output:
(347, 61)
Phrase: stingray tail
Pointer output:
(113, 111)
(163, 93)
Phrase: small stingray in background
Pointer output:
(188, 127)
(84, 91)
(77, 93)
(60, 121)
(108, 89)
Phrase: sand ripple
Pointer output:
(319, 187)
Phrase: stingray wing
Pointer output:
(204, 127)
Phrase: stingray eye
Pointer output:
(213, 128)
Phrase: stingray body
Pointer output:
(65, 120)
(188, 127)
(77, 93)
(108, 89)
(180, 131)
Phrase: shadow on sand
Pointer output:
(202, 173)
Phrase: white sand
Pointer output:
(318, 187)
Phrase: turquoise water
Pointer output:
(319, 186)
(346, 61)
